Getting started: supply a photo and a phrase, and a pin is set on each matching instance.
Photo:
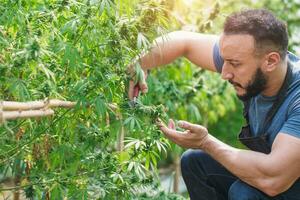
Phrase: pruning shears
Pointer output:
(136, 92)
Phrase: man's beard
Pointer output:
(255, 86)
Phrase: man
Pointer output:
(252, 55)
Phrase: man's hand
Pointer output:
(137, 81)
(193, 137)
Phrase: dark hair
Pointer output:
(269, 32)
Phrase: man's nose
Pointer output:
(226, 73)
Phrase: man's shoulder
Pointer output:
(294, 88)
(293, 96)
(293, 58)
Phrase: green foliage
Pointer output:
(289, 12)
(78, 51)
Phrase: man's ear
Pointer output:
(272, 60)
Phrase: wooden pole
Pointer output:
(34, 105)
(9, 115)
(10, 110)
(121, 135)
(1, 112)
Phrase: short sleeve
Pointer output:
(218, 60)
(292, 125)
(292, 57)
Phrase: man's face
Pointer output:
(241, 67)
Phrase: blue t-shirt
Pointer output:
(287, 118)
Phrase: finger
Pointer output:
(190, 126)
(142, 83)
(145, 74)
(171, 124)
(144, 87)
(131, 90)
(172, 134)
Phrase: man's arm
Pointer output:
(271, 173)
(196, 47)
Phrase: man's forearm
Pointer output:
(165, 49)
(251, 167)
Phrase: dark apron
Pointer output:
(260, 142)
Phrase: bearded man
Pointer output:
(252, 55)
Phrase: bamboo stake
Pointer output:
(34, 105)
(1, 113)
(26, 114)
(13, 110)
(121, 136)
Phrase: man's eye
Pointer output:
(235, 64)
